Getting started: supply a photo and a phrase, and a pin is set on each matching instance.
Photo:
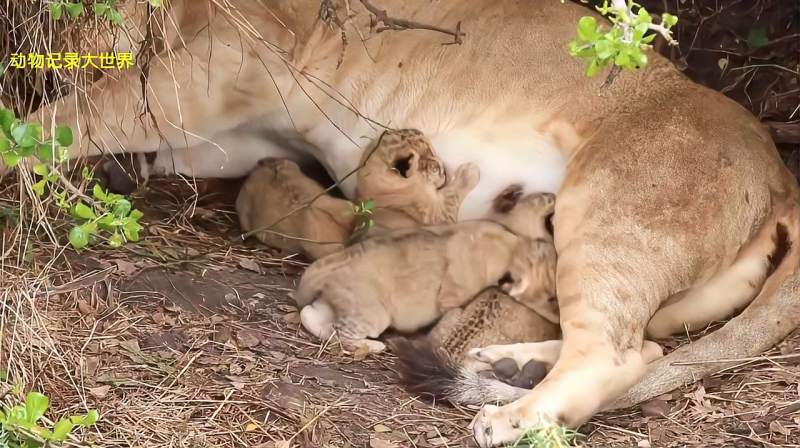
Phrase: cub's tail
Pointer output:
(426, 370)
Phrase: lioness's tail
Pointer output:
(426, 370)
(769, 319)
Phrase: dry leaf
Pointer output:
(292, 318)
(100, 391)
(381, 428)
(125, 267)
(375, 442)
(85, 308)
(643, 444)
(775, 426)
(247, 338)
(438, 441)
(361, 352)
(250, 265)
(655, 408)
(131, 345)
(250, 427)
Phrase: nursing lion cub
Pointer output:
(407, 279)
(401, 175)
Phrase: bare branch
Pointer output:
(391, 23)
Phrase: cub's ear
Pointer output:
(507, 199)
(506, 282)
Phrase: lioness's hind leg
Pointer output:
(721, 296)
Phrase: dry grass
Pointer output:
(188, 339)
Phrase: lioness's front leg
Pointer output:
(605, 304)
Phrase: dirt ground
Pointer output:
(188, 339)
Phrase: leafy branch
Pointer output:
(106, 9)
(103, 212)
(625, 44)
(21, 423)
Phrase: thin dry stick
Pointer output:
(391, 23)
(323, 193)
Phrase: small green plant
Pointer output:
(625, 44)
(106, 9)
(108, 212)
(21, 426)
(73, 9)
(549, 437)
(102, 213)
(362, 211)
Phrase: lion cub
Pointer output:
(276, 188)
(408, 182)
(400, 174)
(407, 279)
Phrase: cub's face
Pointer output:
(408, 154)
(531, 278)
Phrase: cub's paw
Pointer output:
(467, 176)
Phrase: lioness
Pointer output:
(674, 208)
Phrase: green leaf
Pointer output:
(156, 3)
(100, 8)
(78, 238)
(99, 193)
(86, 420)
(757, 38)
(38, 187)
(604, 49)
(56, 10)
(36, 405)
(83, 211)
(10, 159)
(74, 10)
(131, 230)
(587, 29)
(4, 144)
(115, 17)
(668, 20)
(121, 208)
(116, 240)
(64, 135)
(623, 59)
(27, 135)
(7, 118)
(62, 429)
(44, 152)
(136, 215)
(592, 69)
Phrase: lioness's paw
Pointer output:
(491, 354)
(491, 428)
(499, 426)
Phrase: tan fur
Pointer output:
(407, 279)
(279, 192)
(276, 189)
(409, 184)
(491, 318)
(665, 187)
